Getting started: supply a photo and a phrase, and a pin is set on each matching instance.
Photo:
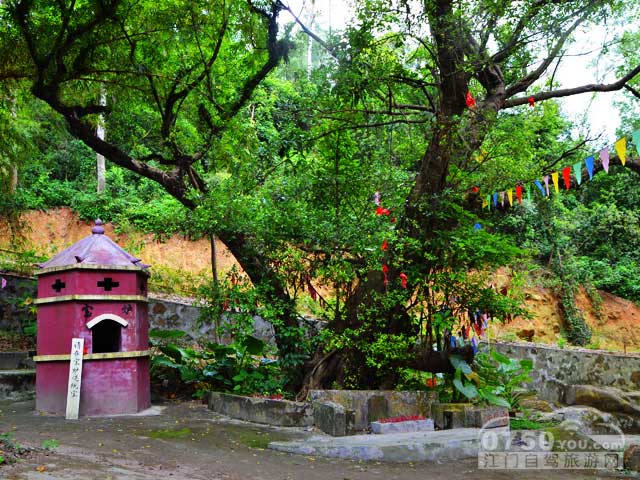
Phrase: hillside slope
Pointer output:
(614, 321)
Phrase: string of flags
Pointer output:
(506, 198)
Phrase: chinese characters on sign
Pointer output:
(75, 379)
(549, 460)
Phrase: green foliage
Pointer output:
(496, 380)
(50, 444)
(238, 367)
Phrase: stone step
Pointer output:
(444, 445)
(16, 360)
(17, 385)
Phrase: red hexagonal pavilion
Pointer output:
(96, 291)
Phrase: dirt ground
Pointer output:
(187, 441)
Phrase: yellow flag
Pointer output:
(621, 149)
(510, 195)
(485, 203)
(554, 177)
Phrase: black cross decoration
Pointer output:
(108, 284)
(58, 285)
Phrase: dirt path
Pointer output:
(188, 442)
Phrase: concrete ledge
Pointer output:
(446, 445)
(402, 427)
(283, 413)
(466, 415)
(372, 405)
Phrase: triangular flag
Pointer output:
(528, 192)
(589, 163)
(519, 193)
(635, 138)
(510, 196)
(502, 198)
(566, 176)
(554, 177)
(485, 202)
(577, 172)
(539, 185)
(495, 199)
(621, 149)
(604, 158)
(546, 183)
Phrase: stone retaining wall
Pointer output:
(554, 368)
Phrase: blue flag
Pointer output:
(495, 199)
(589, 163)
(539, 185)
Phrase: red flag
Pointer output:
(519, 193)
(475, 189)
(532, 102)
(385, 245)
(471, 102)
(566, 175)
(382, 211)
(403, 277)
(385, 269)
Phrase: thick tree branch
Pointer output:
(567, 92)
(526, 81)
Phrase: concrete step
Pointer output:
(395, 447)
(17, 385)
(16, 360)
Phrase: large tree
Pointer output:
(178, 75)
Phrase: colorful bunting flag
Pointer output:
(485, 202)
(566, 176)
(589, 163)
(403, 279)
(510, 197)
(528, 192)
(546, 183)
(502, 198)
(385, 270)
(532, 102)
(577, 172)
(495, 199)
(519, 193)
(621, 149)
(635, 138)
(554, 177)
(604, 158)
(385, 245)
(539, 185)
(376, 198)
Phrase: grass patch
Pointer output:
(528, 424)
(168, 434)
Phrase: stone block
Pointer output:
(283, 413)
(333, 418)
(402, 427)
(450, 415)
(377, 408)
(487, 417)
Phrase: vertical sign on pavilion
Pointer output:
(96, 292)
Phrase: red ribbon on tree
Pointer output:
(385, 245)
(471, 102)
(385, 269)
(566, 176)
(403, 278)
(382, 211)
(532, 102)
(519, 193)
